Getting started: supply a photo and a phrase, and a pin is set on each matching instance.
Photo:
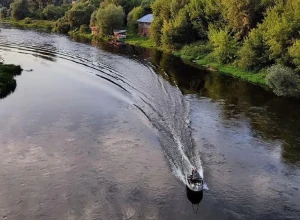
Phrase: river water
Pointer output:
(106, 133)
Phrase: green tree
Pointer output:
(197, 18)
(281, 25)
(6, 3)
(224, 45)
(271, 40)
(294, 52)
(161, 13)
(237, 14)
(135, 14)
(175, 23)
(19, 9)
(128, 5)
(52, 12)
(79, 14)
(177, 31)
(109, 18)
(4, 12)
(93, 21)
(147, 3)
(254, 54)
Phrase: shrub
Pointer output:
(196, 50)
(61, 26)
(84, 29)
(283, 80)
(27, 20)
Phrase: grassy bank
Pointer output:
(136, 40)
(253, 77)
(229, 69)
(42, 25)
(7, 81)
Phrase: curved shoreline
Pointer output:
(143, 42)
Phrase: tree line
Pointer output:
(250, 34)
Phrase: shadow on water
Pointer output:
(194, 197)
(7, 82)
(271, 117)
(8, 89)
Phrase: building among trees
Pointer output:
(144, 25)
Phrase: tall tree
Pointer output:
(79, 14)
(133, 16)
(109, 18)
(19, 9)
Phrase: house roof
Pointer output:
(146, 19)
(120, 31)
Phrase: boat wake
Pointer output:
(162, 103)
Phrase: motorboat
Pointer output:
(194, 183)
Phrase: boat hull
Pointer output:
(194, 187)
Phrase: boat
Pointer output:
(195, 185)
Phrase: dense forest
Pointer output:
(254, 35)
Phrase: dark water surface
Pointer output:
(93, 133)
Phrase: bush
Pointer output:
(196, 50)
(283, 80)
(27, 20)
(61, 26)
(84, 29)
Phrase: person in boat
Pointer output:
(195, 175)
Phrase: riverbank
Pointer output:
(41, 25)
(145, 42)
(7, 81)
(258, 78)
(228, 69)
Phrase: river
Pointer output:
(106, 133)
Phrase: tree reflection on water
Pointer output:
(271, 117)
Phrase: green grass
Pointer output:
(136, 40)
(43, 25)
(230, 69)
(82, 37)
